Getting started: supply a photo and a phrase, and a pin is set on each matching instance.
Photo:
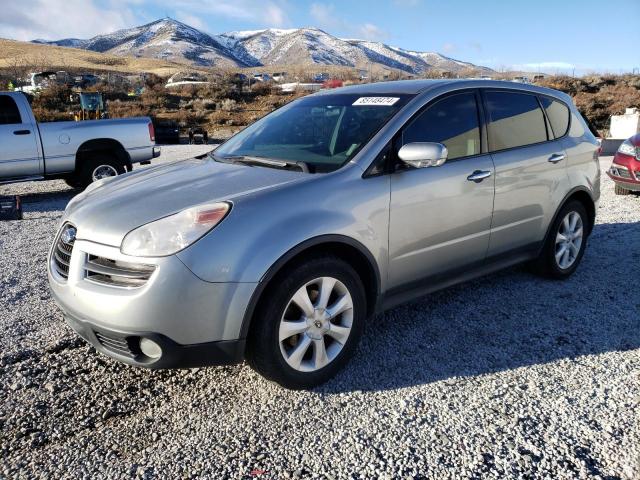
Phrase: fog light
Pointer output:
(150, 348)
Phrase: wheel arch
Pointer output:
(346, 248)
(583, 196)
(103, 145)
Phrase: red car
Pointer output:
(625, 169)
(332, 83)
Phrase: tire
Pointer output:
(618, 190)
(298, 350)
(97, 166)
(554, 261)
(72, 181)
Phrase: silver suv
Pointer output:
(278, 246)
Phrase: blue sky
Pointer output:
(546, 35)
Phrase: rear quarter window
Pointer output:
(515, 120)
(558, 115)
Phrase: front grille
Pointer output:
(126, 346)
(63, 249)
(116, 273)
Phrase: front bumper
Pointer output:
(193, 321)
(633, 186)
(625, 171)
(125, 347)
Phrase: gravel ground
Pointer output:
(505, 376)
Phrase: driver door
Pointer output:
(440, 217)
(18, 142)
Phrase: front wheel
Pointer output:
(564, 248)
(308, 323)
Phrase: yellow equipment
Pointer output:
(91, 107)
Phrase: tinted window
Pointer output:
(558, 115)
(515, 119)
(452, 121)
(577, 127)
(8, 111)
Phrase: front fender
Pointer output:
(261, 229)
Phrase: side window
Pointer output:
(452, 121)
(515, 120)
(558, 115)
(9, 113)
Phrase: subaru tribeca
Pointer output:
(279, 245)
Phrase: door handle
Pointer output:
(21, 132)
(556, 157)
(479, 175)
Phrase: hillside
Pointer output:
(169, 39)
(16, 55)
(165, 39)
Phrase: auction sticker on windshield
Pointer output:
(379, 101)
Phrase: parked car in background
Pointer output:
(625, 168)
(39, 80)
(279, 76)
(321, 77)
(280, 244)
(79, 152)
(333, 83)
(167, 131)
(261, 77)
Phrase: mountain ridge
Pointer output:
(172, 40)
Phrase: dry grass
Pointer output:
(34, 57)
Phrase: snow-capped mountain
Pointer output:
(166, 39)
(173, 40)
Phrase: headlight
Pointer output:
(175, 232)
(628, 148)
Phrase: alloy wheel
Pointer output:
(569, 240)
(316, 324)
(103, 171)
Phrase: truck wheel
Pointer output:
(308, 323)
(564, 248)
(618, 190)
(98, 166)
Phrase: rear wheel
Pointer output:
(96, 167)
(618, 190)
(565, 245)
(308, 324)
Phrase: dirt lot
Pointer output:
(505, 376)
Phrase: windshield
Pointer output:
(323, 131)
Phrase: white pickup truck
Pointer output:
(79, 152)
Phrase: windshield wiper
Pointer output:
(268, 162)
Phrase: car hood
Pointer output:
(107, 213)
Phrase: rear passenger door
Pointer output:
(530, 170)
(18, 148)
(440, 218)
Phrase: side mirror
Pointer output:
(423, 154)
